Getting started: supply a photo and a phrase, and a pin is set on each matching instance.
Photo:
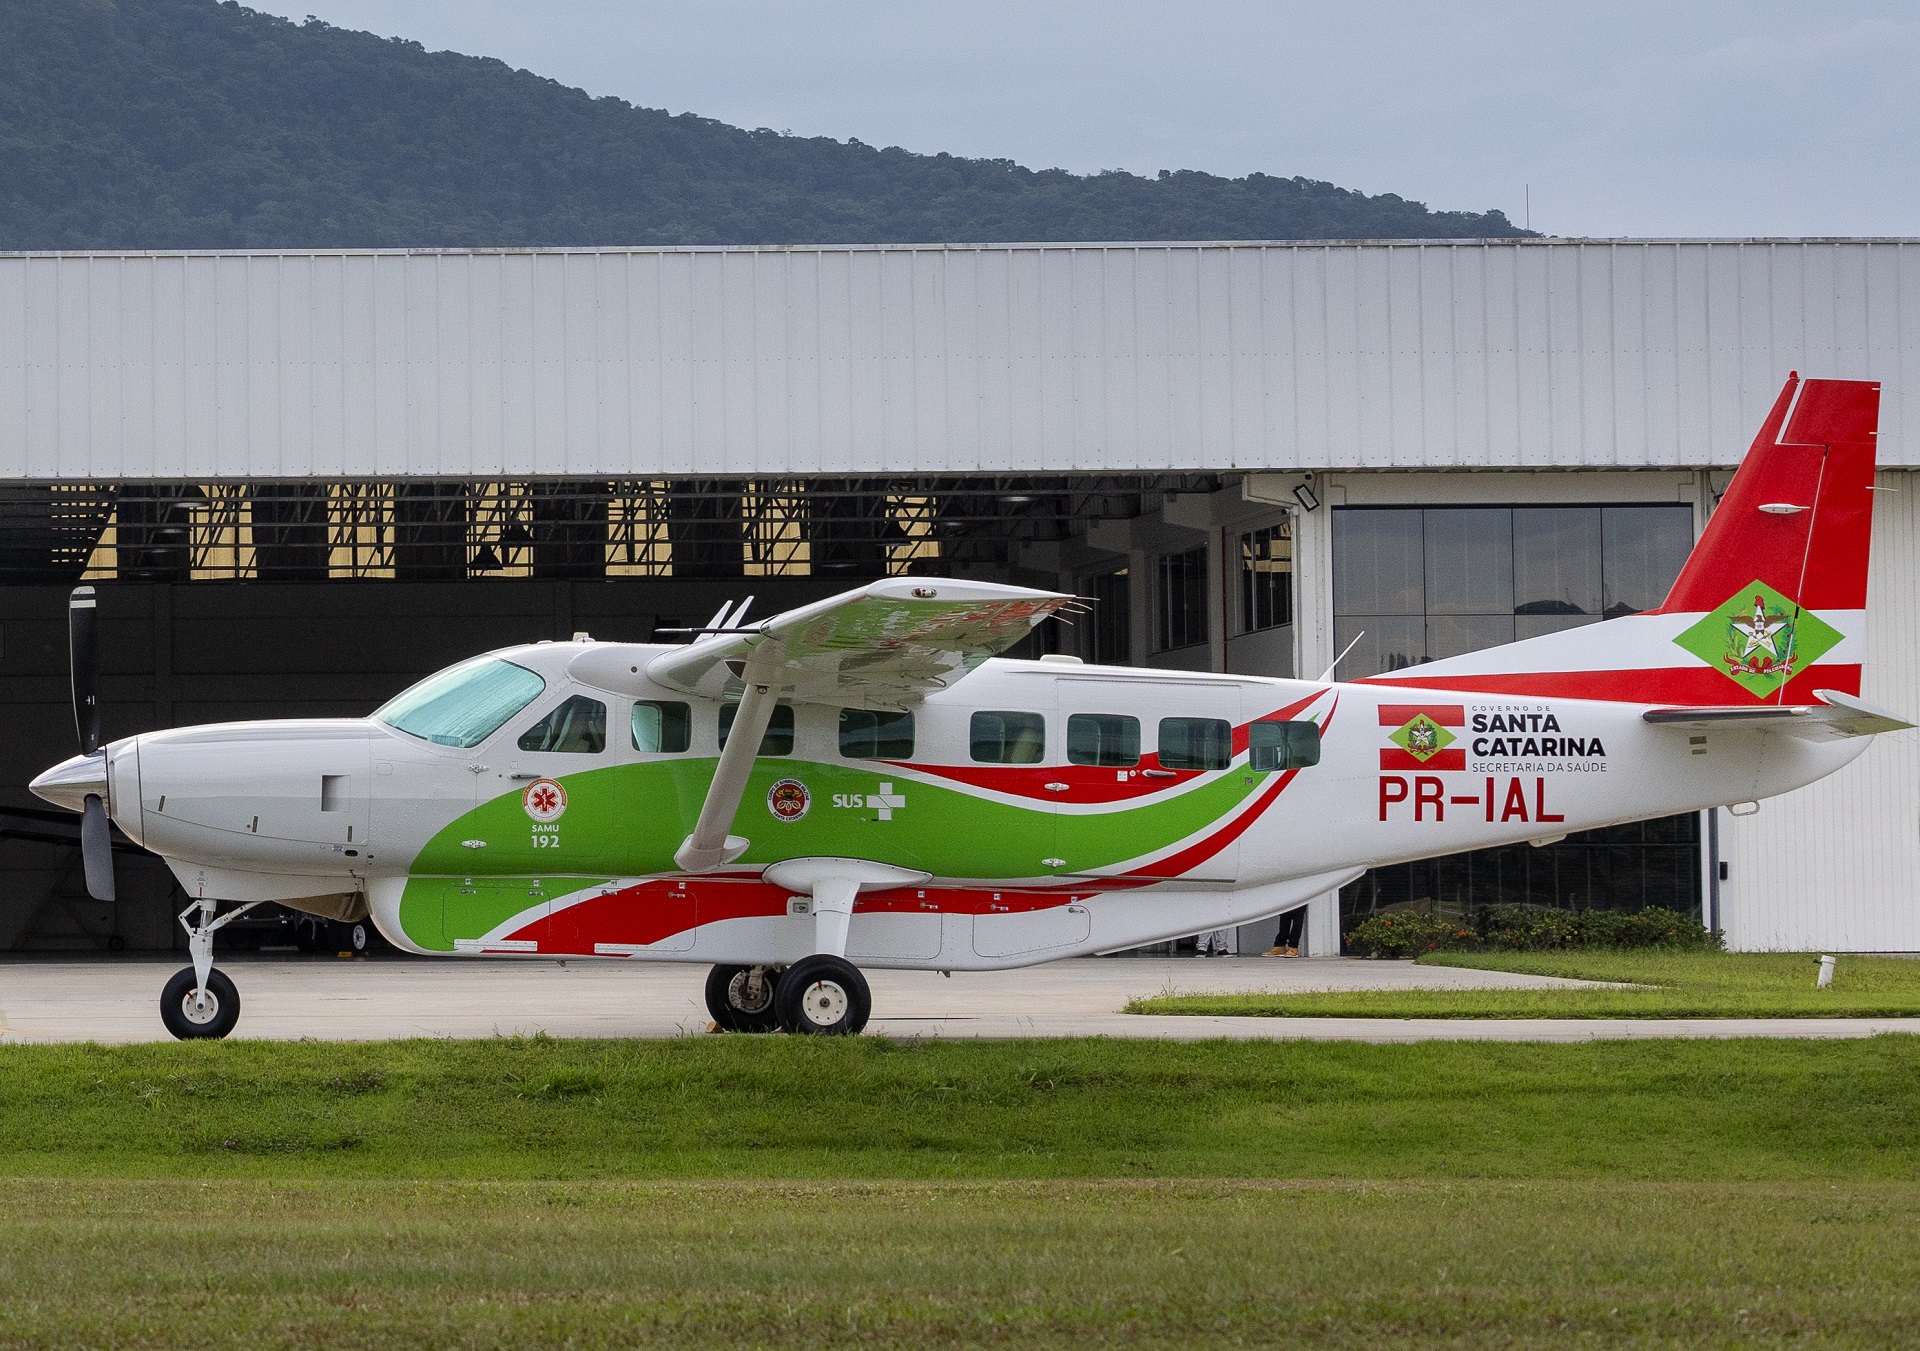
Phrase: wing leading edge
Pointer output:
(887, 645)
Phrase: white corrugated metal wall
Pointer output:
(1833, 866)
(934, 359)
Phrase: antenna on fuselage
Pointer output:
(727, 619)
(1327, 674)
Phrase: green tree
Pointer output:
(193, 124)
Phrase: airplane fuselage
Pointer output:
(1037, 809)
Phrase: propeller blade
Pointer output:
(96, 849)
(83, 651)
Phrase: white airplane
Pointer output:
(893, 795)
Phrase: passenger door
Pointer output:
(1013, 749)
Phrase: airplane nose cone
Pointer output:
(69, 783)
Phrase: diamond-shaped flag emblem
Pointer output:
(1760, 639)
(1422, 737)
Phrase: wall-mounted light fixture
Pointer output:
(1303, 494)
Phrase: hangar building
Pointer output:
(303, 479)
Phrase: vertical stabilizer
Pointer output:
(1770, 605)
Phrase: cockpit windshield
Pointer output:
(462, 705)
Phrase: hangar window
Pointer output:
(1180, 600)
(1266, 578)
(462, 705)
(662, 727)
(1109, 739)
(779, 737)
(1195, 743)
(575, 727)
(869, 734)
(1007, 738)
(1282, 745)
(1414, 584)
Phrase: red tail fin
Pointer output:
(1770, 607)
(1798, 515)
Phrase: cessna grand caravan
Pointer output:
(862, 782)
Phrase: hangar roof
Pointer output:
(935, 359)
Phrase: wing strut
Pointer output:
(710, 845)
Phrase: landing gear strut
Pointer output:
(199, 1001)
(740, 998)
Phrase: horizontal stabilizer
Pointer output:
(1836, 717)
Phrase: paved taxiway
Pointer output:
(386, 997)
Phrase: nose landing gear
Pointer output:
(191, 1010)
(199, 1001)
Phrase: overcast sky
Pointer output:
(1723, 117)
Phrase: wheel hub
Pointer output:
(749, 995)
(824, 1002)
(200, 1010)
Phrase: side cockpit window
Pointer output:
(662, 727)
(1007, 738)
(1282, 745)
(576, 726)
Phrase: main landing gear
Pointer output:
(820, 995)
(199, 1001)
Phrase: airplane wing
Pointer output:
(1836, 717)
(887, 645)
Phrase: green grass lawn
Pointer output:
(358, 1263)
(1675, 985)
(737, 1191)
(789, 1107)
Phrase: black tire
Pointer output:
(823, 996)
(346, 937)
(177, 1012)
(730, 1004)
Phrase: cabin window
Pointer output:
(1282, 745)
(876, 734)
(1004, 738)
(779, 737)
(1110, 739)
(462, 705)
(662, 727)
(575, 727)
(1195, 743)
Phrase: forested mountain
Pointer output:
(193, 124)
